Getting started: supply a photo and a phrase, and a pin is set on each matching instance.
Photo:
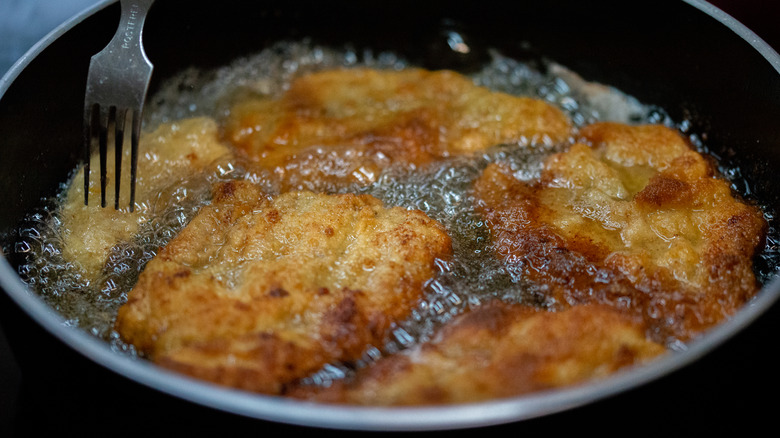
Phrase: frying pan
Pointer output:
(684, 56)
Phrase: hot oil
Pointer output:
(441, 190)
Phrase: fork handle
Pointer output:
(131, 24)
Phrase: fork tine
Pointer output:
(104, 117)
(119, 136)
(134, 137)
(89, 123)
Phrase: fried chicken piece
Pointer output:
(498, 350)
(345, 126)
(168, 155)
(257, 291)
(633, 217)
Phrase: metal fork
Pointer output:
(116, 89)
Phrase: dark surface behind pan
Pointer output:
(62, 392)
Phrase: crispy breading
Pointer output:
(168, 155)
(258, 291)
(346, 126)
(498, 350)
(631, 216)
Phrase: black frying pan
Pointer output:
(686, 57)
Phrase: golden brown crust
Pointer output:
(499, 350)
(345, 126)
(637, 220)
(257, 291)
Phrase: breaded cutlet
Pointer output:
(258, 291)
(344, 126)
(633, 217)
(498, 350)
(168, 155)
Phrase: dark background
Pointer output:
(109, 406)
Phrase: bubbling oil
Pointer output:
(441, 190)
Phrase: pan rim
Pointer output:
(444, 417)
